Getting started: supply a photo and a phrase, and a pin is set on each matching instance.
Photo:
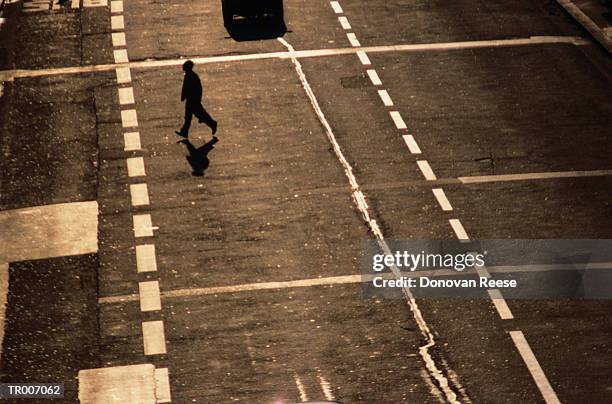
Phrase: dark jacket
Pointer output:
(192, 87)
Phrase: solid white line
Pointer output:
(374, 77)
(118, 39)
(139, 194)
(123, 75)
(363, 58)
(426, 170)
(336, 6)
(458, 229)
(150, 299)
(145, 258)
(153, 337)
(326, 388)
(126, 95)
(117, 22)
(385, 97)
(549, 395)
(162, 385)
(442, 199)
(301, 388)
(398, 120)
(500, 304)
(129, 118)
(344, 22)
(4, 286)
(143, 227)
(131, 141)
(533, 176)
(116, 6)
(412, 144)
(120, 56)
(135, 167)
(353, 39)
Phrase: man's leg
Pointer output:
(188, 112)
(204, 117)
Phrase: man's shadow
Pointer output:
(198, 158)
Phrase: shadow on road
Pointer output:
(198, 158)
(254, 20)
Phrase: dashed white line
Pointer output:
(153, 337)
(550, 397)
(326, 388)
(143, 226)
(336, 6)
(374, 77)
(135, 167)
(139, 194)
(123, 75)
(120, 56)
(162, 385)
(500, 304)
(398, 120)
(344, 22)
(353, 40)
(150, 299)
(126, 95)
(131, 141)
(145, 258)
(458, 229)
(385, 97)
(75, 4)
(116, 6)
(301, 388)
(426, 170)
(412, 144)
(117, 22)
(129, 118)
(442, 199)
(363, 58)
(118, 39)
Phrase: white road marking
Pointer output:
(117, 22)
(336, 6)
(533, 176)
(374, 77)
(131, 141)
(120, 56)
(150, 299)
(426, 170)
(139, 194)
(145, 258)
(95, 3)
(412, 144)
(143, 227)
(126, 95)
(549, 395)
(442, 199)
(458, 229)
(135, 167)
(326, 388)
(362, 206)
(74, 4)
(398, 120)
(153, 337)
(117, 384)
(344, 22)
(4, 286)
(123, 75)
(117, 6)
(118, 39)
(162, 385)
(48, 231)
(500, 304)
(129, 118)
(385, 97)
(301, 388)
(363, 58)
(353, 39)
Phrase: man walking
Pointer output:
(192, 95)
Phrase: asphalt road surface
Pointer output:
(336, 125)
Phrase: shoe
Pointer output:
(181, 133)
(214, 128)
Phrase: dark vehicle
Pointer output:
(252, 9)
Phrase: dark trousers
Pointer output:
(196, 108)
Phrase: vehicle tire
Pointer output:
(278, 11)
(228, 12)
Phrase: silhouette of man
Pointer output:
(192, 95)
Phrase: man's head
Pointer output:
(188, 66)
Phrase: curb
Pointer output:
(598, 33)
